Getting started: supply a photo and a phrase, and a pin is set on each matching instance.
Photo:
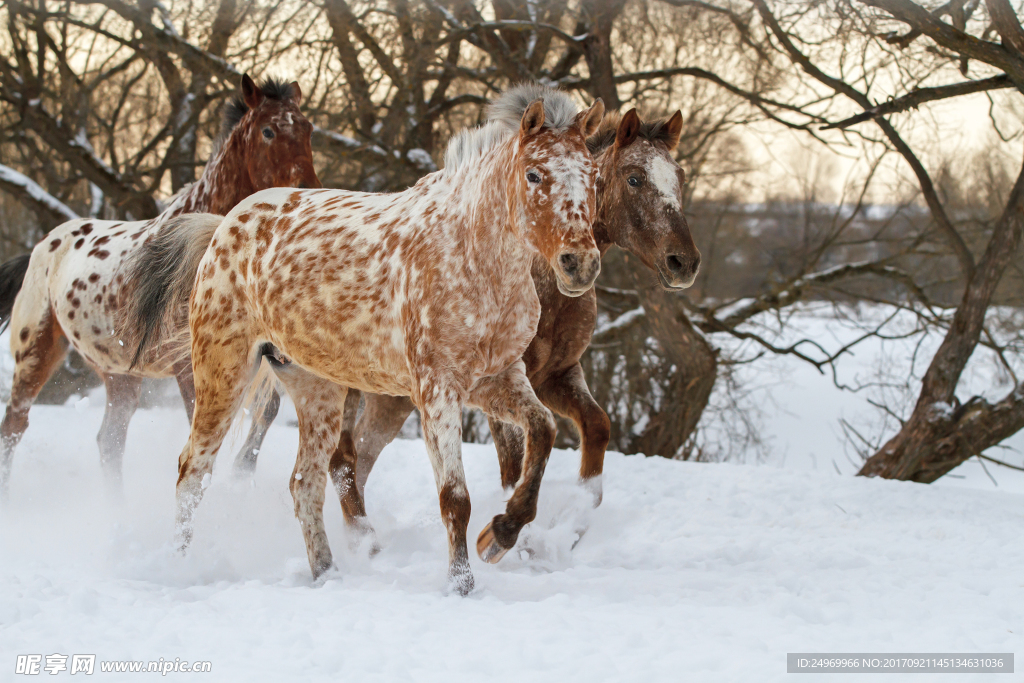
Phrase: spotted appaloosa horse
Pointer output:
(424, 293)
(74, 283)
(639, 209)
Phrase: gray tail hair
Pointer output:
(159, 278)
(12, 275)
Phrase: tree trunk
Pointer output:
(940, 433)
(597, 49)
(696, 367)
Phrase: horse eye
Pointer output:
(267, 133)
(633, 181)
(533, 177)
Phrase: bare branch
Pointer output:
(49, 209)
(918, 97)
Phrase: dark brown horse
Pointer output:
(639, 209)
(74, 282)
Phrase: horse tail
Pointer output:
(12, 275)
(158, 283)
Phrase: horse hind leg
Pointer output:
(245, 461)
(186, 386)
(39, 346)
(222, 368)
(123, 393)
(320, 406)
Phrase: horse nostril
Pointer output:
(674, 263)
(570, 263)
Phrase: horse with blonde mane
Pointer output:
(425, 293)
(639, 209)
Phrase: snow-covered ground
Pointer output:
(688, 572)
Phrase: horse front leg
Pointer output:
(508, 441)
(123, 392)
(508, 397)
(441, 410)
(568, 395)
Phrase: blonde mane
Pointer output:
(504, 115)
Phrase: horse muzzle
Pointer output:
(678, 271)
(576, 271)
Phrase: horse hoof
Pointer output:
(594, 487)
(321, 568)
(361, 531)
(487, 546)
(460, 581)
(183, 539)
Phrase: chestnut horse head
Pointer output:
(552, 181)
(274, 135)
(641, 195)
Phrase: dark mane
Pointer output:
(273, 88)
(653, 131)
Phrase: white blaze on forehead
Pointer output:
(662, 173)
(571, 177)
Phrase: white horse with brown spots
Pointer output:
(425, 293)
(73, 283)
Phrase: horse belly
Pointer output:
(351, 354)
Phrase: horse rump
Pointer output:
(158, 283)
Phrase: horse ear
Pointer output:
(589, 120)
(672, 130)
(629, 128)
(296, 93)
(251, 93)
(533, 119)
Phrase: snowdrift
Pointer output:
(686, 572)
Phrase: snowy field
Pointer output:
(688, 572)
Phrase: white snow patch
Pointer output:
(624, 320)
(33, 189)
(422, 159)
(714, 570)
